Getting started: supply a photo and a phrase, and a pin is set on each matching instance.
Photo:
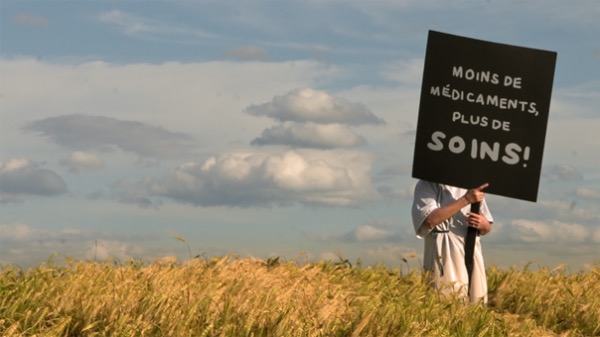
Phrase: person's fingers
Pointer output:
(472, 215)
(482, 187)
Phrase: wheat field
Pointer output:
(231, 296)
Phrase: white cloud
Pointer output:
(259, 179)
(565, 211)
(81, 160)
(375, 231)
(569, 232)
(537, 231)
(108, 249)
(310, 135)
(15, 164)
(309, 105)
(530, 231)
(369, 233)
(27, 245)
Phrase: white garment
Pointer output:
(444, 254)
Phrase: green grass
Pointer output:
(229, 296)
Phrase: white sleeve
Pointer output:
(424, 202)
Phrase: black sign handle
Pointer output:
(470, 244)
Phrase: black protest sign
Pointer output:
(483, 115)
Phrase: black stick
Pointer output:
(470, 244)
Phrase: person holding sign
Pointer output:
(441, 216)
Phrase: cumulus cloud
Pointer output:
(82, 132)
(309, 105)
(370, 233)
(255, 179)
(545, 210)
(20, 177)
(28, 245)
(110, 249)
(80, 160)
(375, 231)
(310, 135)
(553, 231)
(247, 53)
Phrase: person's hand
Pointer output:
(479, 222)
(476, 194)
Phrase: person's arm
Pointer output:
(444, 213)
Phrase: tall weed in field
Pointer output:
(228, 296)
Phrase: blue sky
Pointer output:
(267, 128)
